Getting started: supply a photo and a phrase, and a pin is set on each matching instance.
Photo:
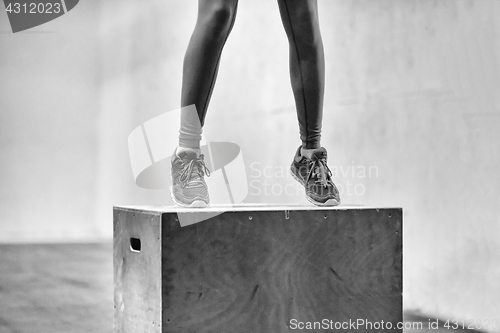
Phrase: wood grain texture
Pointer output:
(137, 275)
(254, 272)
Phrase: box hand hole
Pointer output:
(135, 244)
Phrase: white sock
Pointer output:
(306, 152)
(182, 149)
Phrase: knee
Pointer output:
(218, 19)
(306, 28)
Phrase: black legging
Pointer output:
(307, 63)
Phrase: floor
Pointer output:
(56, 288)
(68, 288)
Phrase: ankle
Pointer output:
(307, 153)
(187, 149)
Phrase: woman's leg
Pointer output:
(201, 63)
(214, 23)
(307, 72)
(307, 66)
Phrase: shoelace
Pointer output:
(318, 167)
(197, 165)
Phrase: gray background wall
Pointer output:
(411, 96)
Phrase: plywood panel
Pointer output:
(256, 271)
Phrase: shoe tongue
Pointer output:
(191, 155)
(188, 155)
(319, 153)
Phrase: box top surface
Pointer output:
(245, 208)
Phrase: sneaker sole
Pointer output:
(194, 204)
(329, 202)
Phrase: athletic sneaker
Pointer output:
(315, 176)
(188, 184)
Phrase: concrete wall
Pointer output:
(49, 129)
(412, 116)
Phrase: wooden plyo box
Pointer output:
(257, 269)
